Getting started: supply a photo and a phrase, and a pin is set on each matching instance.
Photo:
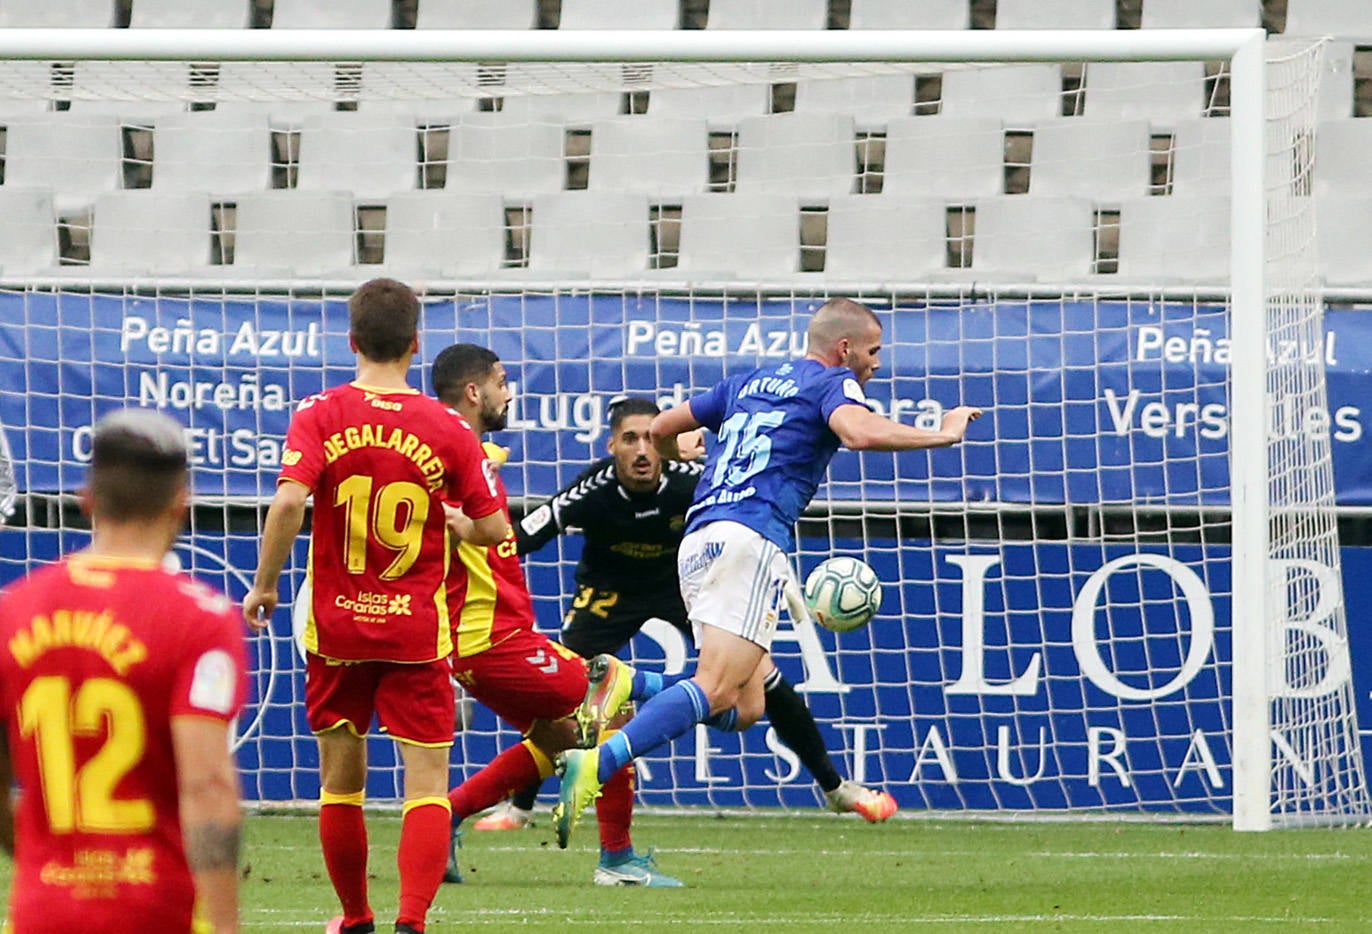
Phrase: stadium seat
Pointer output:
(477, 14)
(25, 88)
(619, 14)
(517, 158)
(1343, 19)
(371, 155)
(877, 238)
(1024, 237)
(569, 105)
(445, 233)
(1105, 160)
(812, 156)
(1055, 14)
(298, 233)
(168, 85)
(57, 14)
(959, 158)
(219, 152)
(1344, 239)
(287, 91)
(1021, 95)
(767, 14)
(872, 102)
(724, 106)
(28, 231)
(396, 87)
(747, 237)
(331, 14)
(1212, 14)
(589, 234)
(667, 157)
(76, 156)
(150, 233)
(1335, 100)
(1200, 160)
(1341, 164)
(191, 14)
(1160, 92)
(902, 14)
(1175, 238)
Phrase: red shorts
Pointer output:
(525, 678)
(413, 702)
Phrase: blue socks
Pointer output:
(661, 720)
(647, 684)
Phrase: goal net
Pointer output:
(1124, 593)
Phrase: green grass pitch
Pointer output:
(817, 872)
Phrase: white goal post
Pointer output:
(1285, 700)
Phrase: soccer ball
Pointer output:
(843, 594)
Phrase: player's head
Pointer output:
(383, 320)
(846, 333)
(471, 379)
(636, 459)
(138, 468)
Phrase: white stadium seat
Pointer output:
(517, 158)
(477, 14)
(150, 233)
(210, 150)
(395, 87)
(1344, 239)
(445, 232)
(583, 234)
(876, 238)
(957, 158)
(1055, 14)
(740, 236)
(298, 233)
(1160, 92)
(168, 82)
(1335, 99)
(1018, 94)
(1344, 19)
(75, 155)
(767, 14)
(310, 88)
(666, 157)
(331, 14)
(27, 88)
(1024, 237)
(1200, 160)
(809, 155)
(872, 102)
(28, 231)
(371, 155)
(723, 106)
(1341, 163)
(1105, 160)
(1210, 14)
(619, 14)
(57, 14)
(904, 14)
(191, 14)
(1164, 239)
(569, 106)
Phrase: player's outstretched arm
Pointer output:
(211, 822)
(668, 425)
(861, 429)
(285, 516)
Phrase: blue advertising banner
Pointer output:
(1033, 675)
(1104, 402)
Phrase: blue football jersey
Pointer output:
(774, 444)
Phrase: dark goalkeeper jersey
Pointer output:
(631, 539)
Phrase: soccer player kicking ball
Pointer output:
(778, 428)
(381, 459)
(119, 680)
(631, 508)
(529, 681)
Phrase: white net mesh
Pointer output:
(1048, 240)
